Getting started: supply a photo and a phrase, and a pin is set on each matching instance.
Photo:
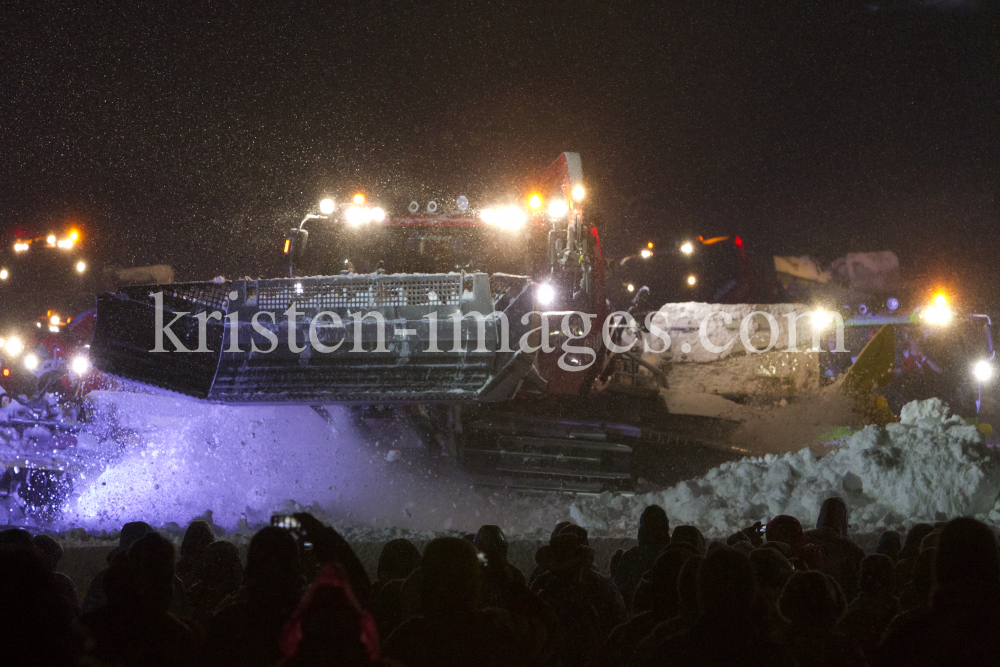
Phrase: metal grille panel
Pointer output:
(361, 292)
(213, 296)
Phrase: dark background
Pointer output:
(195, 134)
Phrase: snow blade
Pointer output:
(251, 354)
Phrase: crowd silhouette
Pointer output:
(772, 594)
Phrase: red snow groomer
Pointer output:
(487, 323)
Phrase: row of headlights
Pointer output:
(13, 347)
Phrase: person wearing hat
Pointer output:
(654, 536)
(51, 552)
(587, 603)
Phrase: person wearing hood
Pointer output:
(959, 627)
(329, 628)
(654, 536)
(841, 557)
(398, 559)
(197, 538)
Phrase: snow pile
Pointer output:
(927, 467)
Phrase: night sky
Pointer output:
(195, 134)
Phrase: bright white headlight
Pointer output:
(80, 365)
(14, 346)
(545, 294)
(509, 217)
(558, 208)
(983, 371)
(30, 362)
(822, 318)
(356, 215)
(326, 207)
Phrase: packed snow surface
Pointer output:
(927, 467)
(243, 463)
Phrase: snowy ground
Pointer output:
(244, 463)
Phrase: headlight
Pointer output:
(687, 248)
(545, 294)
(983, 371)
(692, 280)
(558, 208)
(510, 217)
(30, 362)
(355, 215)
(14, 346)
(821, 319)
(936, 314)
(646, 254)
(80, 365)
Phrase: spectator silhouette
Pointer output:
(869, 615)
(813, 604)
(500, 578)
(135, 627)
(51, 553)
(916, 593)
(329, 628)
(220, 576)
(246, 628)
(907, 556)
(959, 627)
(197, 537)
(841, 557)
(131, 532)
(889, 544)
(654, 535)
(730, 629)
(453, 629)
(616, 558)
(15, 537)
(587, 604)
(397, 560)
(35, 627)
(539, 570)
(656, 601)
(771, 571)
(689, 535)
(785, 529)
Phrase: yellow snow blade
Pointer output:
(872, 370)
